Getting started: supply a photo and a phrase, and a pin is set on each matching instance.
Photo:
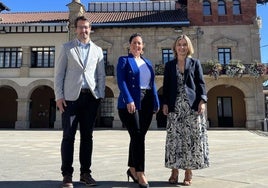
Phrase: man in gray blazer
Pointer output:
(79, 85)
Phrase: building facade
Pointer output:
(224, 31)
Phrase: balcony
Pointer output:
(109, 70)
(159, 69)
(254, 70)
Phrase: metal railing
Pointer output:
(159, 69)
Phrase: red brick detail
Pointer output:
(195, 13)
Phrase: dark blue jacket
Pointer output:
(193, 82)
(128, 80)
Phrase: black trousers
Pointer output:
(83, 111)
(136, 157)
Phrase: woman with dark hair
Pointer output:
(184, 103)
(137, 102)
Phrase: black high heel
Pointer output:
(144, 185)
(129, 174)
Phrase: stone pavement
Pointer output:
(31, 159)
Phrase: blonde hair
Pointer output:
(189, 45)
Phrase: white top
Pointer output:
(145, 74)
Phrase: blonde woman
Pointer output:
(184, 98)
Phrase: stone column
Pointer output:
(153, 125)
(250, 112)
(57, 123)
(117, 124)
(259, 104)
(23, 114)
(76, 9)
(26, 61)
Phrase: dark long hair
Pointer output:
(133, 36)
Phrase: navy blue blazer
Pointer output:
(128, 80)
(193, 81)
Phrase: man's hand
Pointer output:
(61, 104)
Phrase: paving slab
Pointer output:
(31, 159)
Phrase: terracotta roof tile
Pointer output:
(137, 17)
(98, 18)
(33, 17)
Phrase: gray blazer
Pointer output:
(69, 70)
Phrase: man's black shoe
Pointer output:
(87, 179)
(67, 182)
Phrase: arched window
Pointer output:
(221, 7)
(236, 7)
(206, 8)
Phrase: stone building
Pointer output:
(223, 30)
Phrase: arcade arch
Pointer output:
(226, 107)
(42, 108)
(9, 107)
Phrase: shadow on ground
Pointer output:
(260, 133)
(57, 184)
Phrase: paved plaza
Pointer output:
(31, 159)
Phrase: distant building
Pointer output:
(222, 30)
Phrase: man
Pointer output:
(79, 85)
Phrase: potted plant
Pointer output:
(214, 68)
(257, 69)
(159, 69)
(109, 69)
(235, 68)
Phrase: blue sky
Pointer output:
(60, 5)
(262, 11)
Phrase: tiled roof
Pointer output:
(33, 17)
(170, 17)
(139, 17)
